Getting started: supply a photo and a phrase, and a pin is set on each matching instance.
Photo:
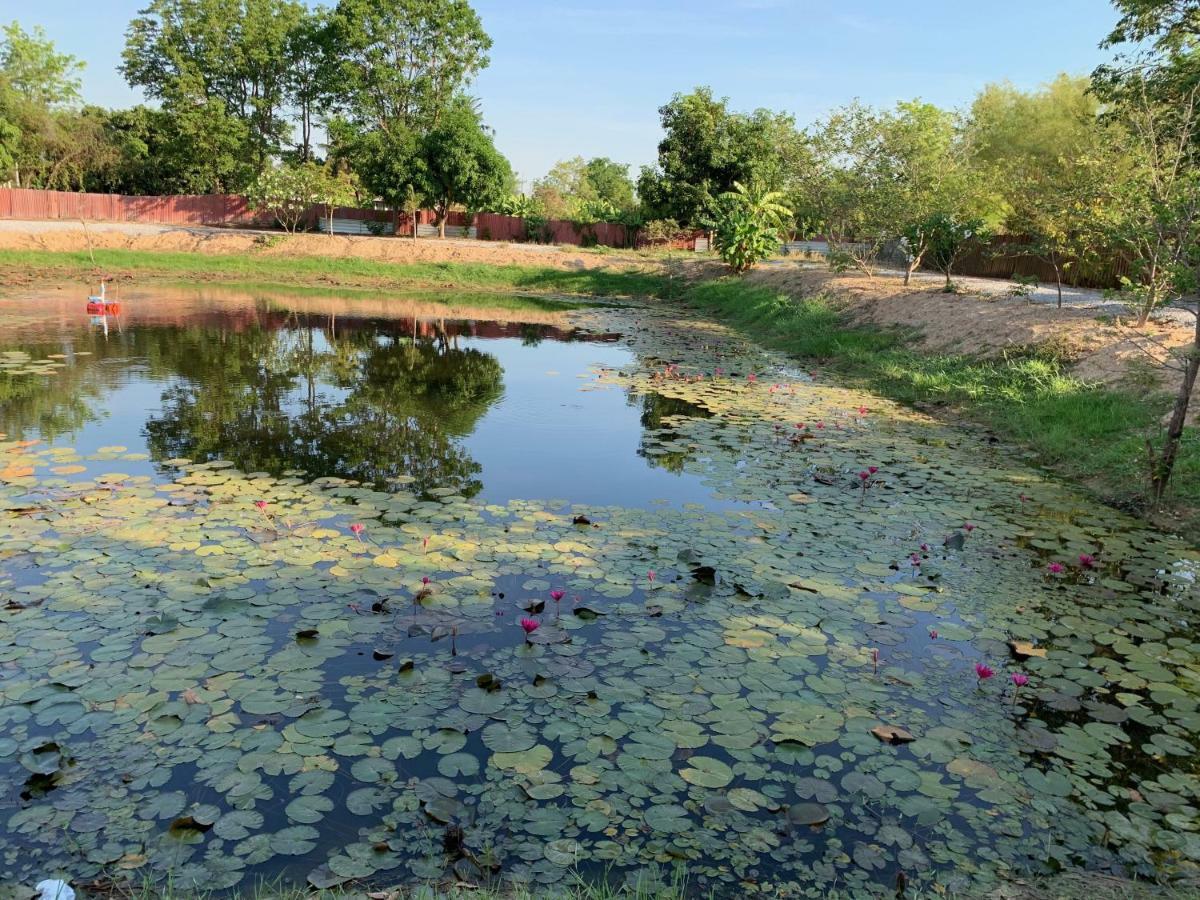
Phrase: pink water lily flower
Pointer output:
(864, 475)
(1087, 561)
(968, 527)
(984, 671)
(915, 560)
(1055, 568)
(651, 575)
(424, 579)
(862, 410)
(356, 529)
(1020, 679)
(530, 625)
(872, 469)
(557, 595)
(261, 504)
(933, 633)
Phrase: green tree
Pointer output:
(410, 205)
(288, 191)
(706, 148)
(610, 182)
(227, 55)
(852, 188)
(461, 165)
(1170, 24)
(1047, 159)
(35, 71)
(749, 220)
(402, 62)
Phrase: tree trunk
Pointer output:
(414, 224)
(1161, 474)
(331, 220)
(442, 216)
(1058, 284)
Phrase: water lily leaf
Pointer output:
(707, 772)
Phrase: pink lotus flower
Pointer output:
(924, 548)
(424, 579)
(1087, 561)
(799, 424)
(530, 625)
(261, 504)
(872, 469)
(933, 633)
(968, 527)
(1055, 568)
(557, 595)
(983, 671)
(752, 377)
(820, 424)
(1020, 679)
(651, 575)
(356, 529)
(864, 475)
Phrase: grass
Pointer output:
(333, 271)
(649, 885)
(1091, 434)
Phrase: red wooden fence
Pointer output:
(182, 209)
(231, 209)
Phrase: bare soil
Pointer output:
(75, 236)
(1098, 348)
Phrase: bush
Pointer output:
(748, 226)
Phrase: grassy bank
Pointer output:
(1093, 435)
(328, 271)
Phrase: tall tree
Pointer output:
(706, 149)
(402, 62)
(461, 164)
(35, 71)
(235, 52)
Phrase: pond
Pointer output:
(397, 589)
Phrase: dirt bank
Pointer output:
(75, 236)
(1099, 346)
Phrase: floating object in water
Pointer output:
(99, 304)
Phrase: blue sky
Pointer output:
(574, 78)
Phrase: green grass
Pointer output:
(336, 271)
(1091, 434)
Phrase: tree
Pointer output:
(563, 188)
(311, 74)
(335, 188)
(461, 165)
(706, 148)
(610, 182)
(35, 71)
(1172, 24)
(288, 192)
(852, 187)
(925, 157)
(227, 55)
(402, 62)
(410, 206)
(1047, 159)
(748, 223)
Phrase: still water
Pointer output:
(360, 390)
(388, 591)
